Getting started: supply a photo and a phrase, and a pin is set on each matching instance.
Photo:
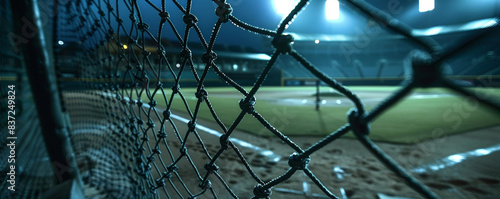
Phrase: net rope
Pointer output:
(128, 146)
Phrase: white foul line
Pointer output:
(456, 158)
(267, 153)
(273, 157)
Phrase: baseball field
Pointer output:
(433, 133)
(422, 115)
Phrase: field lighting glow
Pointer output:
(332, 9)
(425, 5)
(283, 7)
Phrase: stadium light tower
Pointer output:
(283, 7)
(332, 9)
(425, 5)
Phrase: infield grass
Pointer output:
(410, 121)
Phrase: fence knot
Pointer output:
(190, 20)
(142, 26)
(151, 158)
(101, 12)
(139, 151)
(141, 170)
(131, 102)
(224, 143)
(176, 89)
(185, 53)
(162, 134)
(167, 175)
(208, 57)
(97, 23)
(93, 29)
(205, 184)
(297, 162)
(283, 43)
(202, 93)
(223, 11)
(172, 168)
(152, 103)
(164, 16)
(424, 73)
(161, 52)
(358, 125)
(211, 167)
(110, 8)
(139, 103)
(183, 151)
(157, 149)
(191, 126)
(119, 20)
(151, 124)
(166, 114)
(247, 105)
(160, 183)
(132, 18)
(260, 192)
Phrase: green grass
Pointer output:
(414, 120)
(410, 121)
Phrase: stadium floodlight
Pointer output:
(425, 5)
(60, 42)
(125, 46)
(332, 9)
(316, 41)
(284, 7)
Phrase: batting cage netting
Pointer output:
(123, 139)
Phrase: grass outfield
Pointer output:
(410, 121)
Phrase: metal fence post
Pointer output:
(40, 69)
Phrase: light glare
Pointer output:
(284, 7)
(425, 5)
(332, 9)
(434, 31)
(456, 158)
(60, 42)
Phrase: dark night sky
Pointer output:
(312, 20)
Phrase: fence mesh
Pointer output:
(128, 141)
